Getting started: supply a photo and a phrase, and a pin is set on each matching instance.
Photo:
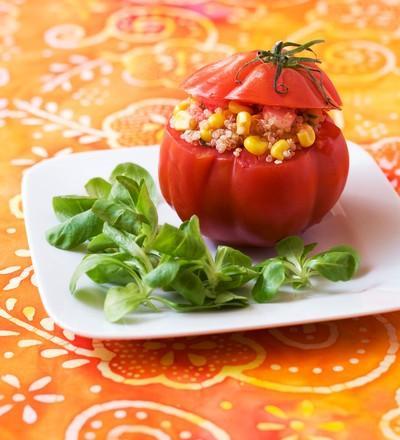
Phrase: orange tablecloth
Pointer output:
(93, 74)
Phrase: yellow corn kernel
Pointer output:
(255, 145)
(206, 134)
(182, 121)
(306, 135)
(279, 148)
(216, 120)
(243, 122)
(183, 105)
(235, 107)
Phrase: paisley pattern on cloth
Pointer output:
(96, 74)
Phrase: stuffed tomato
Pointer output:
(252, 151)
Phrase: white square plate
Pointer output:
(366, 217)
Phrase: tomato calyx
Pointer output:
(284, 58)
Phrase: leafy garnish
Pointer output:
(75, 231)
(137, 174)
(122, 300)
(98, 187)
(272, 276)
(294, 266)
(66, 207)
(137, 260)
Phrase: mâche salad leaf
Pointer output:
(121, 300)
(144, 265)
(272, 277)
(75, 231)
(98, 187)
(66, 207)
(137, 174)
(296, 267)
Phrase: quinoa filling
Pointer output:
(275, 133)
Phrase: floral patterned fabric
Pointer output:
(97, 74)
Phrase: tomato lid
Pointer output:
(276, 78)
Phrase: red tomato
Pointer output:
(247, 201)
(218, 81)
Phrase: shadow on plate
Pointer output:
(92, 296)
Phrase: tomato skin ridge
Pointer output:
(247, 201)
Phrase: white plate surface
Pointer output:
(366, 217)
